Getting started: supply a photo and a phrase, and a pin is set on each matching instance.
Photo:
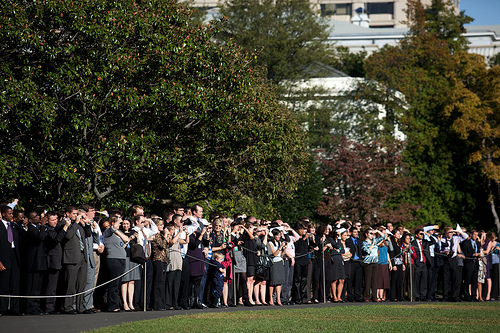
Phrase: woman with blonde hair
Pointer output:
(114, 240)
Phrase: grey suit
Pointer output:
(74, 260)
(88, 298)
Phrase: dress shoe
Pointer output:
(72, 312)
(35, 313)
(87, 312)
(185, 307)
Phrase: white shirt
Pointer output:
(148, 232)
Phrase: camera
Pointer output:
(229, 245)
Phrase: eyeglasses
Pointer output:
(420, 233)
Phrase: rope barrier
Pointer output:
(209, 263)
(77, 294)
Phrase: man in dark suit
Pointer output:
(55, 235)
(74, 256)
(471, 250)
(422, 264)
(302, 262)
(37, 260)
(9, 261)
(355, 285)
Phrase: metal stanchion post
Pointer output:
(411, 276)
(145, 289)
(235, 293)
(324, 277)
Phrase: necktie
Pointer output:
(10, 235)
(474, 246)
(356, 249)
(80, 239)
(422, 256)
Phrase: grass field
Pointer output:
(434, 317)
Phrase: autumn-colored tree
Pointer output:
(426, 68)
(477, 119)
(364, 181)
(127, 101)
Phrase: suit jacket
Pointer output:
(425, 250)
(468, 251)
(71, 243)
(5, 246)
(354, 248)
(89, 245)
(37, 250)
(54, 248)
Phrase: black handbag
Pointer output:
(137, 254)
(263, 265)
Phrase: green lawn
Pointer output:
(435, 317)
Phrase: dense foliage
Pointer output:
(429, 67)
(125, 102)
(288, 35)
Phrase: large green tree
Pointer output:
(426, 68)
(288, 36)
(126, 101)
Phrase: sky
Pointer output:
(484, 12)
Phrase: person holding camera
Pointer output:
(173, 278)
(74, 254)
(160, 258)
(115, 241)
(302, 261)
(276, 248)
(451, 277)
(220, 243)
(323, 266)
(250, 252)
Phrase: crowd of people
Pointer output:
(179, 260)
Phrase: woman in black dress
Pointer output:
(320, 274)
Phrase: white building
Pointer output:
(483, 40)
(381, 13)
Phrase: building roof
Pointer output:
(483, 40)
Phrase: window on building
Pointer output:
(381, 8)
(336, 9)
